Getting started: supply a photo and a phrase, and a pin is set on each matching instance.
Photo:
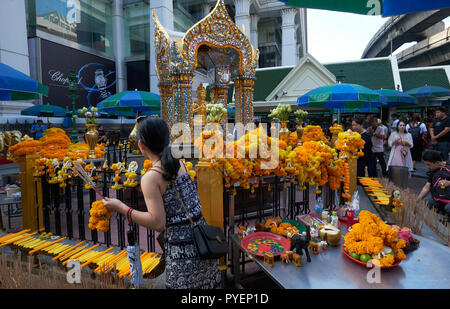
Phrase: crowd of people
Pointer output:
(402, 142)
(405, 143)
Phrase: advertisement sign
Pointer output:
(96, 75)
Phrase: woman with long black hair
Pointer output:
(161, 186)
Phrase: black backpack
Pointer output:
(415, 132)
(440, 194)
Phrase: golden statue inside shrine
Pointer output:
(213, 45)
(199, 106)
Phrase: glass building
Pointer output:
(86, 22)
(101, 35)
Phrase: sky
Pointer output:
(337, 36)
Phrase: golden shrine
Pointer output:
(213, 45)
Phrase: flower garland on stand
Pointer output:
(118, 168)
(63, 174)
(350, 145)
(40, 167)
(52, 165)
(131, 175)
(313, 134)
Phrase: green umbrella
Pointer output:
(138, 101)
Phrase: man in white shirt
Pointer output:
(378, 136)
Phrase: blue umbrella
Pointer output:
(14, 85)
(428, 91)
(376, 7)
(395, 98)
(358, 110)
(398, 7)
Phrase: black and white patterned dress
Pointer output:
(184, 269)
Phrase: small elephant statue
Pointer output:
(301, 242)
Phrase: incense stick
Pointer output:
(85, 177)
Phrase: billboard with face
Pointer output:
(96, 75)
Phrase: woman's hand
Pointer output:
(114, 205)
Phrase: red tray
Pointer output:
(265, 242)
(365, 264)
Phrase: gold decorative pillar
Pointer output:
(29, 193)
(244, 100)
(182, 95)
(167, 107)
(237, 101)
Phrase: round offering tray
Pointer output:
(259, 243)
(365, 264)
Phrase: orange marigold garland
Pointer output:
(100, 215)
(25, 147)
(313, 133)
(374, 237)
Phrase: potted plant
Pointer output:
(282, 112)
(299, 115)
(91, 135)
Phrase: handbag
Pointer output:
(209, 240)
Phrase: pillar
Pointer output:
(167, 106)
(242, 16)
(29, 194)
(119, 45)
(164, 10)
(254, 30)
(182, 96)
(303, 50)
(210, 191)
(288, 39)
(243, 100)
